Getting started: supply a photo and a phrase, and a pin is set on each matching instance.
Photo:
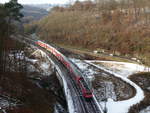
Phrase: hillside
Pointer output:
(47, 7)
(32, 13)
(118, 28)
(87, 57)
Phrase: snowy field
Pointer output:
(121, 70)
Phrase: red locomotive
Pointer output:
(86, 92)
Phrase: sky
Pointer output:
(41, 1)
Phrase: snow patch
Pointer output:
(147, 110)
(39, 53)
(31, 60)
(45, 65)
(122, 68)
(84, 67)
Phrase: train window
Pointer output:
(89, 92)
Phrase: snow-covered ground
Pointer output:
(6, 102)
(123, 70)
(3, 103)
(147, 110)
(88, 72)
(40, 64)
(59, 108)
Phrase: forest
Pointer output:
(120, 27)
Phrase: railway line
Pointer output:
(80, 103)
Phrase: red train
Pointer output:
(86, 92)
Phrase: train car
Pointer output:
(86, 92)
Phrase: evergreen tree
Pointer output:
(3, 27)
(13, 13)
(8, 12)
(13, 10)
(3, 23)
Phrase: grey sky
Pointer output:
(40, 1)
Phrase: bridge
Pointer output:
(76, 102)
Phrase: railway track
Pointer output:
(80, 102)
(91, 103)
(82, 105)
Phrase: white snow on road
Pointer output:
(122, 68)
(121, 106)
